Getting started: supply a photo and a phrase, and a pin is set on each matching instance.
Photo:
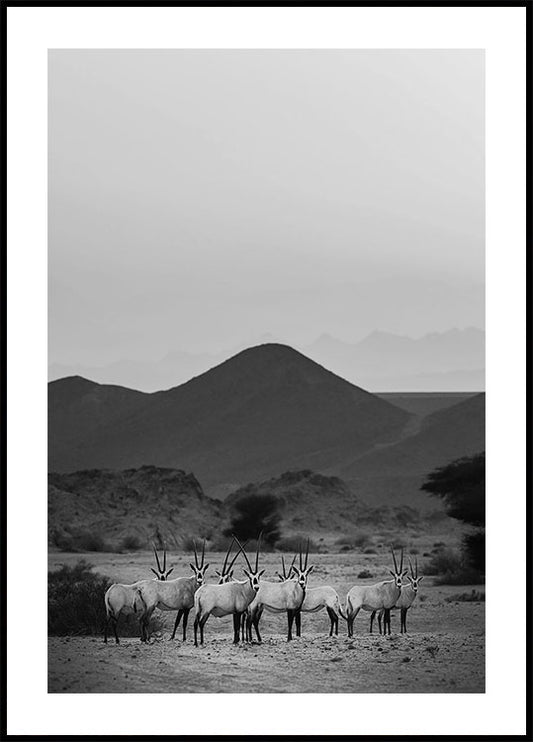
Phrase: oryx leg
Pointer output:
(386, 621)
(196, 622)
(380, 617)
(236, 627)
(372, 617)
(332, 616)
(185, 620)
(202, 624)
(177, 623)
(144, 622)
(255, 620)
(290, 619)
(351, 620)
(403, 621)
(298, 622)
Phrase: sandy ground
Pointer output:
(443, 652)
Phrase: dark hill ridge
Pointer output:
(308, 502)
(265, 410)
(146, 503)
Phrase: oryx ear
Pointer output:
(170, 570)
(206, 566)
(404, 572)
(410, 579)
(420, 578)
(230, 574)
(191, 565)
(311, 568)
(155, 573)
(260, 573)
(217, 573)
(392, 573)
(246, 572)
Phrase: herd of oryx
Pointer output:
(246, 599)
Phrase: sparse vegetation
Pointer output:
(358, 541)
(78, 540)
(474, 596)
(254, 514)
(451, 568)
(132, 543)
(365, 574)
(76, 603)
(294, 542)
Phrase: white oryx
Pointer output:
(126, 599)
(316, 598)
(280, 597)
(172, 595)
(405, 601)
(381, 596)
(229, 598)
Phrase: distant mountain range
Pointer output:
(447, 361)
(267, 410)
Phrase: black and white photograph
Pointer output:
(266, 345)
(267, 360)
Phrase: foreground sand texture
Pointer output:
(444, 651)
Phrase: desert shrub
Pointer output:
(451, 568)
(474, 596)
(132, 543)
(77, 540)
(253, 514)
(370, 551)
(355, 541)
(414, 550)
(365, 574)
(76, 603)
(399, 543)
(474, 550)
(294, 542)
(187, 543)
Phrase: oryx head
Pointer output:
(161, 573)
(253, 574)
(413, 578)
(303, 571)
(199, 568)
(399, 572)
(285, 575)
(227, 572)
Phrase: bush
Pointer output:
(78, 540)
(475, 596)
(255, 514)
(474, 550)
(451, 569)
(132, 543)
(294, 542)
(365, 574)
(76, 603)
(358, 541)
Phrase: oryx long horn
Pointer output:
(412, 570)
(203, 553)
(227, 556)
(394, 559)
(164, 559)
(283, 567)
(157, 558)
(300, 554)
(257, 551)
(234, 558)
(306, 554)
(416, 567)
(401, 559)
(292, 564)
(195, 553)
(241, 548)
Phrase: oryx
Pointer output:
(406, 599)
(281, 597)
(317, 598)
(172, 595)
(230, 598)
(381, 596)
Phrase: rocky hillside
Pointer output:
(146, 504)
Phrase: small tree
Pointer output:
(253, 514)
(461, 485)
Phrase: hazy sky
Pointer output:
(198, 199)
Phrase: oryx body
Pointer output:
(405, 601)
(380, 596)
(228, 598)
(281, 597)
(318, 598)
(172, 595)
(121, 600)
